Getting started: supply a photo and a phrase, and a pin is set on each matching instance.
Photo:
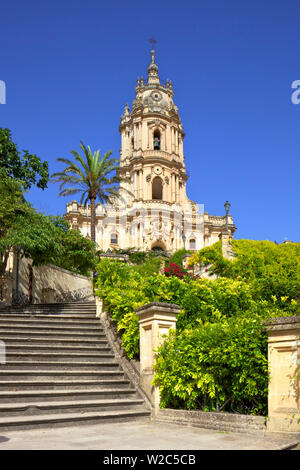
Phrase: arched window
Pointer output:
(192, 244)
(156, 140)
(157, 248)
(157, 188)
(132, 143)
(114, 239)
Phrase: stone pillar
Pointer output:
(135, 136)
(226, 247)
(140, 184)
(6, 283)
(100, 313)
(173, 139)
(155, 320)
(162, 266)
(173, 188)
(48, 296)
(284, 370)
(135, 184)
(185, 260)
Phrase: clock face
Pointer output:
(156, 95)
(157, 170)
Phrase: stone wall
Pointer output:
(50, 284)
(212, 420)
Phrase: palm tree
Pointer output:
(92, 177)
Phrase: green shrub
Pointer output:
(121, 288)
(150, 266)
(217, 359)
(217, 366)
(270, 268)
(176, 258)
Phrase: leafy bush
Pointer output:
(217, 366)
(150, 266)
(217, 359)
(176, 258)
(121, 288)
(270, 268)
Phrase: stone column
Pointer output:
(135, 184)
(142, 184)
(284, 370)
(168, 146)
(173, 187)
(155, 320)
(226, 247)
(135, 136)
(173, 139)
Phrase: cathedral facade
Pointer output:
(154, 211)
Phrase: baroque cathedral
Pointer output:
(153, 212)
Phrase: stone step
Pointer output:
(44, 341)
(51, 420)
(102, 347)
(53, 305)
(47, 316)
(15, 388)
(51, 334)
(28, 408)
(62, 322)
(48, 309)
(56, 358)
(13, 326)
(61, 365)
(46, 374)
(80, 314)
(60, 370)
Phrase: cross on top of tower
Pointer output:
(152, 41)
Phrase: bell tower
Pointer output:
(157, 213)
(151, 155)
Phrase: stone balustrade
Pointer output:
(157, 318)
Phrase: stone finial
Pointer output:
(126, 110)
(153, 77)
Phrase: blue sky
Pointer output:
(70, 67)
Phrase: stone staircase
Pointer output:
(60, 370)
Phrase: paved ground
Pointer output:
(143, 435)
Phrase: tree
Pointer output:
(21, 226)
(78, 252)
(45, 239)
(27, 168)
(92, 177)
